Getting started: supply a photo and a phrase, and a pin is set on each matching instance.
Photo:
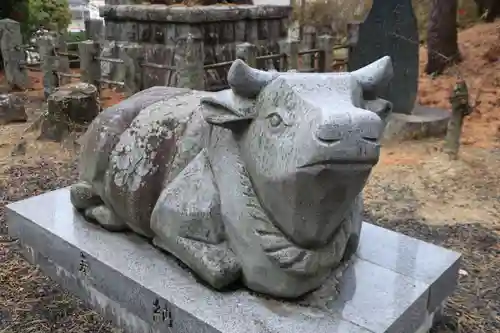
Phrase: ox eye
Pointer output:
(275, 119)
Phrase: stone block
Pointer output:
(146, 290)
(192, 14)
(423, 122)
(12, 109)
(70, 107)
(408, 256)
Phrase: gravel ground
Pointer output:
(30, 302)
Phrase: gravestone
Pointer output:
(391, 29)
(242, 187)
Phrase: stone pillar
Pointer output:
(352, 33)
(290, 48)
(62, 61)
(325, 44)
(133, 56)
(308, 43)
(46, 47)
(248, 53)
(90, 67)
(94, 29)
(13, 55)
(352, 38)
(189, 60)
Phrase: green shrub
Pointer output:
(51, 15)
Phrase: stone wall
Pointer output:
(159, 28)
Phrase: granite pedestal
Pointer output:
(395, 284)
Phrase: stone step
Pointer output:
(396, 283)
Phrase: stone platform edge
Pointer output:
(396, 284)
(193, 14)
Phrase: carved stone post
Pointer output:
(94, 29)
(90, 67)
(189, 62)
(248, 53)
(62, 61)
(352, 37)
(325, 43)
(13, 55)
(132, 55)
(46, 47)
(290, 47)
(308, 43)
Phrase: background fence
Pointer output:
(125, 70)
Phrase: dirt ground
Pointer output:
(415, 189)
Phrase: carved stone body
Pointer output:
(260, 182)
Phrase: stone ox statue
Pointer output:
(261, 182)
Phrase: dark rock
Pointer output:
(12, 109)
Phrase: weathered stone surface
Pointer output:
(12, 54)
(391, 29)
(164, 36)
(94, 28)
(69, 107)
(262, 180)
(194, 14)
(423, 122)
(12, 109)
(46, 47)
(104, 133)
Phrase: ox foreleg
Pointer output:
(85, 200)
(187, 223)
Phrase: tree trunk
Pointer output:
(460, 107)
(442, 46)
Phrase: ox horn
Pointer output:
(376, 75)
(247, 81)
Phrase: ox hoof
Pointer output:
(105, 218)
(82, 196)
(214, 263)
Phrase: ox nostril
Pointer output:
(330, 133)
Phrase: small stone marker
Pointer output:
(13, 55)
(12, 109)
(69, 107)
(390, 29)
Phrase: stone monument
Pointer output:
(261, 181)
(258, 184)
(390, 28)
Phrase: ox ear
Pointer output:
(247, 81)
(374, 77)
(226, 109)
